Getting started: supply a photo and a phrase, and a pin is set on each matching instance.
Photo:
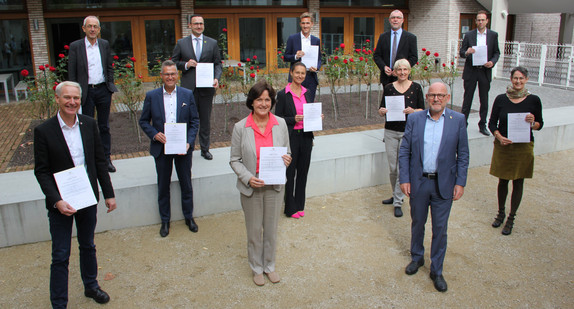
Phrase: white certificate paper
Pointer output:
(204, 75)
(480, 56)
(272, 169)
(176, 138)
(311, 57)
(518, 128)
(395, 106)
(75, 188)
(312, 117)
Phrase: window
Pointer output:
(365, 3)
(15, 46)
(11, 5)
(97, 4)
(200, 3)
(332, 33)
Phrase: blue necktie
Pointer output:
(197, 49)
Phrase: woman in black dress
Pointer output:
(513, 161)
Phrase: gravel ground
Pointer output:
(349, 251)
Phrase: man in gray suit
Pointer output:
(187, 53)
(428, 181)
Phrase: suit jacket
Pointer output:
(51, 155)
(493, 52)
(294, 45)
(78, 65)
(285, 108)
(453, 154)
(184, 50)
(407, 49)
(153, 111)
(243, 159)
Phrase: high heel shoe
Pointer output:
(499, 219)
(507, 229)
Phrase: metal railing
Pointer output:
(547, 64)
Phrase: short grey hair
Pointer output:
(61, 85)
(91, 16)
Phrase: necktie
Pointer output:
(197, 49)
(394, 52)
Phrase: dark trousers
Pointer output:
(61, 231)
(164, 165)
(421, 198)
(301, 146)
(477, 77)
(204, 102)
(100, 99)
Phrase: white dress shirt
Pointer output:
(170, 105)
(480, 38)
(95, 68)
(73, 138)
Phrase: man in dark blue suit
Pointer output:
(171, 104)
(62, 142)
(433, 163)
(478, 74)
(296, 45)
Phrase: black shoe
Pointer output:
(111, 167)
(498, 220)
(413, 267)
(191, 224)
(507, 229)
(164, 230)
(388, 201)
(207, 155)
(439, 282)
(98, 295)
(398, 212)
(484, 131)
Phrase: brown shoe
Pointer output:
(273, 277)
(259, 279)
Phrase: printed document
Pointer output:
(204, 75)
(480, 56)
(395, 106)
(176, 138)
(518, 128)
(311, 57)
(75, 188)
(312, 120)
(271, 166)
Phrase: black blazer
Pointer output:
(285, 108)
(51, 155)
(184, 51)
(407, 49)
(493, 52)
(78, 65)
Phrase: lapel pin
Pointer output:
(450, 117)
(184, 104)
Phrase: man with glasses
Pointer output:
(393, 45)
(437, 132)
(478, 72)
(171, 105)
(90, 65)
(190, 50)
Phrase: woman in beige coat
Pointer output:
(261, 203)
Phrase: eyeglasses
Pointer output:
(436, 95)
(169, 74)
(197, 24)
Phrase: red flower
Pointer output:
(282, 58)
(452, 63)
(357, 50)
(257, 70)
(120, 75)
(113, 65)
(66, 47)
(424, 49)
(444, 65)
(436, 54)
(351, 60)
(116, 58)
(61, 55)
(52, 69)
(252, 75)
(24, 73)
(366, 59)
(364, 51)
(342, 45)
(345, 61)
(417, 63)
(366, 74)
(251, 67)
(129, 66)
(278, 52)
(54, 88)
(133, 59)
(248, 59)
(258, 67)
(336, 48)
(254, 57)
(426, 68)
(46, 66)
(336, 58)
(41, 68)
(428, 53)
(224, 30)
(239, 64)
(361, 58)
(368, 41)
(140, 76)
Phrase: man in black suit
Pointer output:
(171, 104)
(298, 42)
(481, 74)
(394, 45)
(90, 65)
(63, 142)
(187, 53)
